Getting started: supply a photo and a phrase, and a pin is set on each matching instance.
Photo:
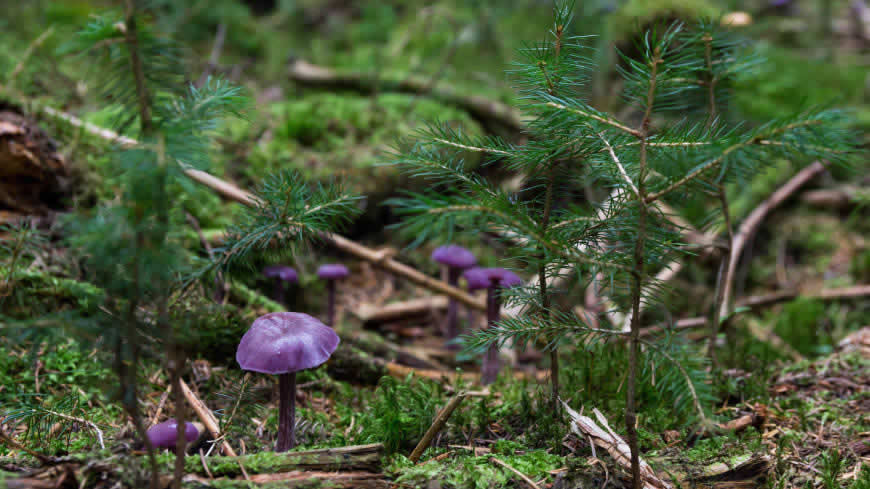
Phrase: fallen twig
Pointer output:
(90, 424)
(439, 422)
(519, 474)
(207, 418)
(398, 310)
(853, 292)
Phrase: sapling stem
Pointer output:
(452, 308)
(545, 294)
(286, 412)
(330, 303)
(278, 291)
(638, 278)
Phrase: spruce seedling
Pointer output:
(678, 143)
(128, 245)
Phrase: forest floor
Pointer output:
(790, 404)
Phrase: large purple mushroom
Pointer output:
(164, 435)
(283, 343)
(456, 259)
(493, 280)
(331, 273)
(281, 274)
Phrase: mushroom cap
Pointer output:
(477, 278)
(481, 278)
(163, 435)
(284, 342)
(454, 256)
(285, 273)
(332, 271)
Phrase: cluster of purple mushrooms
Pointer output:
(283, 343)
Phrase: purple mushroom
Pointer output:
(281, 274)
(331, 273)
(164, 435)
(493, 280)
(456, 259)
(283, 343)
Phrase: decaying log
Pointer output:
(350, 458)
(34, 176)
(350, 364)
(296, 479)
(370, 313)
(745, 474)
(488, 112)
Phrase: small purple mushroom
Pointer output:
(164, 435)
(456, 259)
(281, 274)
(331, 273)
(493, 280)
(283, 343)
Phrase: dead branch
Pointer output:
(205, 415)
(440, 421)
(854, 292)
(519, 474)
(754, 219)
(845, 196)
(370, 313)
(488, 112)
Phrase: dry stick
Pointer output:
(11, 443)
(221, 286)
(214, 57)
(367, 312)
(855, 291)
(10, 81)
(519, 474)
(751, 223)
(90, 424)
(440, 421)
(234, 193)
(207, 418)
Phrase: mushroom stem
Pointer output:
(330, 303)
(452, 309)
(490, 368)
(278, 291)
(286, 412)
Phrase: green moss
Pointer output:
(800, 323)
(788, 82)
(463, 470)
(637, 13)
(325, 134)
